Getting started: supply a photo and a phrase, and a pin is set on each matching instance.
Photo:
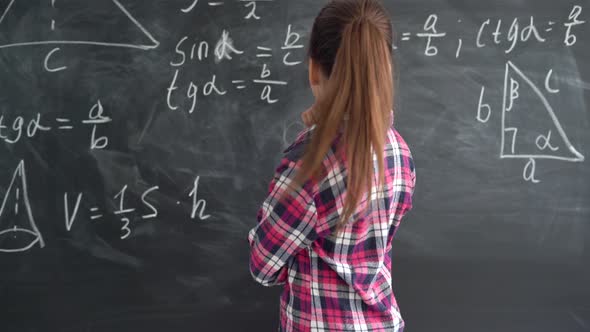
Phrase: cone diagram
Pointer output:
(83, 22)
(18, 231)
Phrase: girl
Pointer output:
(325, 230)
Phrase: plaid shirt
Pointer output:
(332, 283)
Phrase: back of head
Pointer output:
(351, 40)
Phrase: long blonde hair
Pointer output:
(351, 40)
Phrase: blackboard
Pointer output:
(138, 139)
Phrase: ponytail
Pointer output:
(357, 101)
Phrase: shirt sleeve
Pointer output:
(286, 225)
(405, 187)
(413, 174)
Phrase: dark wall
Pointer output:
(131, 171)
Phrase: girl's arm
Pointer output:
(284, 228)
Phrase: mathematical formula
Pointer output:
(14, 130)
(22, 233)
(499, 33)
(187, 50)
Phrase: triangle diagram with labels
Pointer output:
(61, 22)
(530, 127)
(18, 231)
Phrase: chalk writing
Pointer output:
(524, 96)
(153, 43)
(14, 131)
(125, 212)
(507, 34)
(225, 47)
(19, 231)
(430, 28)
(550, 142)
(250, 5)
(15, 41)
(573, 20)
(291, 43)
(183, 95)
(192, 92)
(199, 204)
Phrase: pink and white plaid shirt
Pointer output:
(340, 283)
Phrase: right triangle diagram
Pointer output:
(530, 127)
(84, 22)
